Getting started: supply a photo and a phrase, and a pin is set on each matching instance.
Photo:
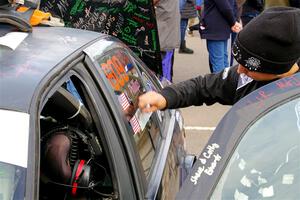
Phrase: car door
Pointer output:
(74, 118)
(178, 163)
(150, 135)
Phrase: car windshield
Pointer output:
(266, 163)
(12, 181)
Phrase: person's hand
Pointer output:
(237, 27)
(152, 101)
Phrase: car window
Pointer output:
(151, 84)
(73, 160)
(12, 181)
(127, 85)
(266, 163)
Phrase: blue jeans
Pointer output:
(218, 55)
(183, 25)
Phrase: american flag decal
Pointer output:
(128, 67)
(135, 125)
(124, 101)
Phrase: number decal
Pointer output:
(115, 73)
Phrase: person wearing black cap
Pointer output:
(267, 49)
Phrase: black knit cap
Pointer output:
(270, 43)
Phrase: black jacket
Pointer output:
(295, 3)
(225, 87)
(251, 6)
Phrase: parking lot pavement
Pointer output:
(199, 121)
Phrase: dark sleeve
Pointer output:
(227, 11)
(208, 89)
(295, 3)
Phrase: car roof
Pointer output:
(199, 184)
(23, 69)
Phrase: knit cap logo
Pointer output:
(253, 63)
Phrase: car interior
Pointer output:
(72, 162)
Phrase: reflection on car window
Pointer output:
(266, 163)
(127, 84)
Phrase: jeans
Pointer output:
(183, 25)
(218, 55)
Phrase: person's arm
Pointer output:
(208, 89)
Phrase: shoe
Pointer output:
(190, 32)
(184, 49)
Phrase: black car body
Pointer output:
(70, 124)
(254, 152)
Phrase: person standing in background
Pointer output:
(262, 57)
(219, 18)
(188, 11)
(168, 25)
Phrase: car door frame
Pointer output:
(51, 83)
(167, 133)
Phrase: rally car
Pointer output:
(254, 152)
(70, 125)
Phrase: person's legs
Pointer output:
(183, 25)
(183, 48)
(191, 22)
(194, 27)
(167, 64)
(217, 56)
(172, 64)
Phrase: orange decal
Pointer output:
(115, 73)
(110, 75)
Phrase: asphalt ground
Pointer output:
(200, 121)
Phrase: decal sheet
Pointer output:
(14, 134)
